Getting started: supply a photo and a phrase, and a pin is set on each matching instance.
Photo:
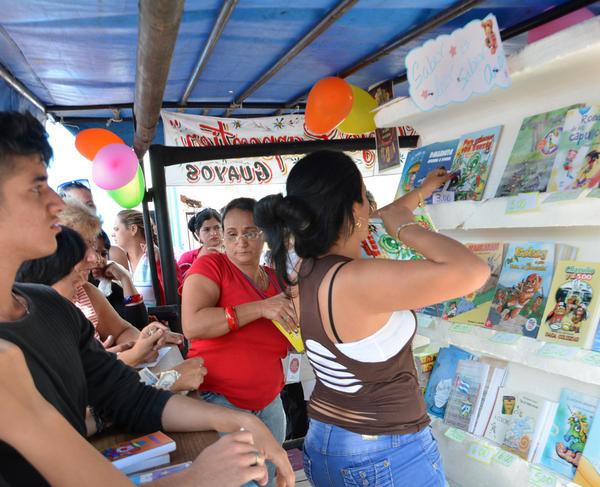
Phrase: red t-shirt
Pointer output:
(186, 260)
(245, 365)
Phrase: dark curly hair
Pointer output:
(199, 218)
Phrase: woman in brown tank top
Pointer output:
(368, 422)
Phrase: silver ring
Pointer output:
(256, 459)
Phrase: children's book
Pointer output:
(466, 393)
(420, 162)
(474, 308)
(504, 407)
(495, 380)
(522, 290)
(472, 163)
(424, 362)
(132, 454)
(530, 162)
(442, 376)
(572, 303)
(147, 464)
(577, 162)
(568, 434)
(588, 469)
(526, 424)
(159, 473)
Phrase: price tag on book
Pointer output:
(563, 196)
(540, 477)
(460, 328)
(523, 202)
(591, 358)
(504, 458)
(594, 193)
(442, 197)
(553, 350)
(481, 452)
(455, 434)
(505, 338)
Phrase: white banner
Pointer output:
(183, 130)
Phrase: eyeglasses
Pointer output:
(75, 183)
(254, 235)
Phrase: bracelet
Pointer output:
(403, 226)
(421, 203)
(133, 299)
(98, 420)
(232, 319)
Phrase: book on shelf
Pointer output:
(474, 308)
(588, 468)
(522, 290)
(526, 424)
(577, 162)
(496, 378)
(137, 454)
(532, 157)
(466, 393)
(424, 363)
(422, 161)
(571, 310)
(440, 382)
(569, 432)
(596, 341)
(502, 411)
(147, 477)
(472, 162)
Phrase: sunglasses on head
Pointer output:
(75, 183)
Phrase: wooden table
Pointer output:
(189, 445)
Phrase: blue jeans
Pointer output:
(336, 457)
(272, 415)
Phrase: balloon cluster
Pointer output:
(115, 166)
(335, 103)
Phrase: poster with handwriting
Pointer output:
(451, 68)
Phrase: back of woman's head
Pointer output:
(49, 270)
(134, 217)
(321, 191)
(80, 218)
(199, 218)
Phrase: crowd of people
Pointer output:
(74, 324)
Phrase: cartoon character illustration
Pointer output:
(556, 316)
(589, 173)
(491, 41)
(549, 143)
(520, 295)
(568, 163)
(451, 311)
(575, 437)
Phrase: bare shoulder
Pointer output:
(118, 255)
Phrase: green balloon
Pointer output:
(132, 194)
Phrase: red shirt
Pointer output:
(245, 365)
(186, 260)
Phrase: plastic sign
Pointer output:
(541, 478)
(460, 328)
(451, 68)
(523, 203)
(553, 350)
(504, 458)
(481, 452)
(594, 193)
(442, 197)
(455, 434)
(563, 196)
(505, 338)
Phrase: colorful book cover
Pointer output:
(577, 162)
(420, 162)
(522, 291)
(424, 363)
(130, 452)
(588, 470)
(569, 432)
(532, 157)
(159, 473)
(442, 376)
(501, 414)
(474, 308)
(525, 424)
(465, 395)
(472, 163)
(572, 303)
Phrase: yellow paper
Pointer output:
(294, 338)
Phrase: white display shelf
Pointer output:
(576, 364)
(463, 470)
(491, 213)
(533, 72)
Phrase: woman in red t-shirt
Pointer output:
(228, 303)
(206, 228)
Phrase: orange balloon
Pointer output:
(89, 141)
(329, 103)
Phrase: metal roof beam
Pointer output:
(327, 21)
(20, 88)
(403, 39)
(211, 42)
(159, 24)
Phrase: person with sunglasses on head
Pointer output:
(228, 303)
(80, 190)
(206, 228)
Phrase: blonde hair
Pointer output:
(80, 218)
(134, 217)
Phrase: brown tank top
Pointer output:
(370, 398)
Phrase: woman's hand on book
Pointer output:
(433, 181)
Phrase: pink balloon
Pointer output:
(559, 24)
(114, 166)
